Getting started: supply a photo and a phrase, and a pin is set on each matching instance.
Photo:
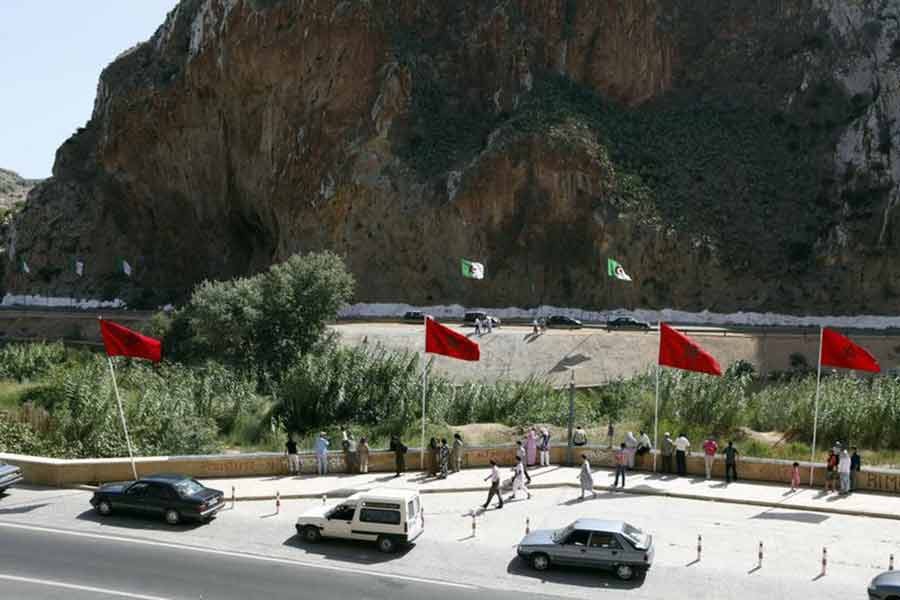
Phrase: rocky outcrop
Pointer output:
(14, 189)
(731, 154)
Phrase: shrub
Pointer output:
(24, 362)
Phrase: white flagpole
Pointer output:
(112, 372)
(656, 414)
(812, 459)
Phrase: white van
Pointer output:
(387, 516)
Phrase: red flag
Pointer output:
(679, 351)
(121, 341)
(839, 351)
(440, 339)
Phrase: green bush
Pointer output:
(25, 362)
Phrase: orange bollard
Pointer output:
(891, 563)
(233, 498)
(277, 502)
(527, 525)
(824, 560)
(473, 523)
(699, 547)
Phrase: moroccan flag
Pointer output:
(679, 351)
(615, 270)
(121, 341)
(440, 339)
(472, 270)
(839, 351)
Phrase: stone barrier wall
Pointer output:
(62, 473)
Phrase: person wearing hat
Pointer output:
(322, 454)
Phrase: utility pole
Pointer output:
(571, 417)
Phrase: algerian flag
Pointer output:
(79, 267)
(126, 268)
(472, 270)
(616, 270)
(25, 268)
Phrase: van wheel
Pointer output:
(540, 562)
(624, 572)
(386, 544)
(172, 516)
(312, 534)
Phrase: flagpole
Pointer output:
(656, 411)
(112, 372)
(812, 459)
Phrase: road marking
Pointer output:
(80, 588)
(243, 555)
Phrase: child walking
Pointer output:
(795, 477)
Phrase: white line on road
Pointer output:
(243, 555)
(80, 588)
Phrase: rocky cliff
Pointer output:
(13, 189)
(731, 154)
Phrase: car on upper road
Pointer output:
(10, 475)
(387, 516)
(174, 498)
(885, 586)
(614, 545)
(416, 316)
(626, 323)
(470, 317)
(563, 322)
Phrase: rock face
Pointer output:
(13, 189)
(730, 154)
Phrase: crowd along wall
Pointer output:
(62, 473)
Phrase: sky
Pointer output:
(51, 55)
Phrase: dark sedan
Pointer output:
(563, 322)
(174, 498)
(626, 323)
(885, 586)
(10, 475)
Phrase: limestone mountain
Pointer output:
(730, 154)
(14, 189)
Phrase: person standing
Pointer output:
(730, 453)
(682, 444)
(457, 453)
(586, 477)
(855, 466)
(399, 450)
(610, 432)
(831, 471)
(444, 456)
(322, 454)
(433, 457)
(531, 446)
(545, 447)
(644, 444)
(349, 447)
(795, 477)
(710, 447)
(621, 464)
(579, 437)
(362, 455)
(631, 444)
(844, 470)
(518, 482)
(668, 451)
(494, 478)
(520, 455)
(290, 448)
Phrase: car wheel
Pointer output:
(312, 534)
(624, 572)
(540, 562)
(386, 544)
(104, 508)
(172, 516)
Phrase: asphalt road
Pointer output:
(38, 564)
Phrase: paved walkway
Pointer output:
(469, 480)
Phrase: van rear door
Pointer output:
(415, 519)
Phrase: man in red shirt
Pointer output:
(710, 447)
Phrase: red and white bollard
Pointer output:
(891, 563)
(824, 560)
(233, 498)
(324, 498)
(699, 546)
(527, 525)
(277, 502)
(473, 523)
(759, 564)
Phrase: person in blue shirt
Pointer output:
(322, 454)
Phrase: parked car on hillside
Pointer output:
(563, 322)
(174, 498)
(10, 475)
(469, 318)
(388, 517)
(626, 323)
(614, 545)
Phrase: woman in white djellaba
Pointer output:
(586, 477)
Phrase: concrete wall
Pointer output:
(61, 473)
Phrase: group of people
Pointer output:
(841, 466)
(356, 453)
(485, 325)
(535, 447)
(442, 458)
